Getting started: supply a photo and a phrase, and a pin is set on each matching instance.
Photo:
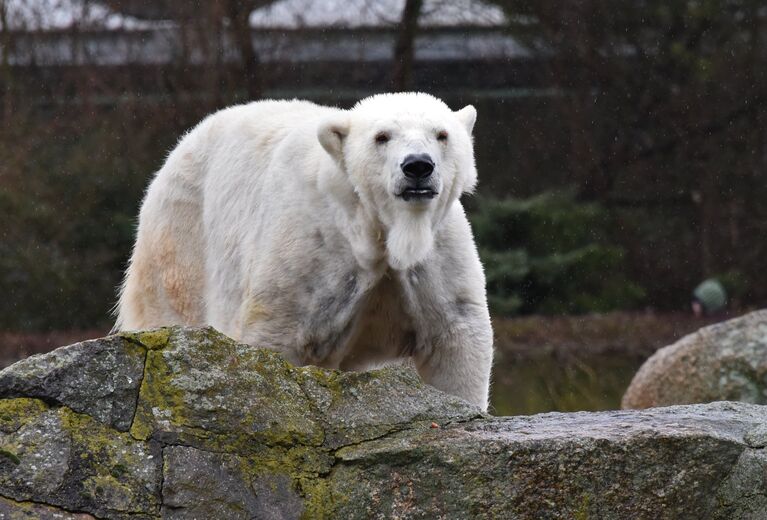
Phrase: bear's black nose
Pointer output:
(417, 166)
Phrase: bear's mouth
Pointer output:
(417, 194)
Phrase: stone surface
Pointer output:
(722, 362)
(58, 457)
(205, 390)
(667, 463)
(223, 430)
(12, 510)
(200, 484)
(100, 378)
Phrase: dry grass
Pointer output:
(626, 333)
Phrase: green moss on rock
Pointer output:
(152, 339)
(14, 510)
(10, 456)
(66, 459)
(206, 390)
(115, 470)
(15, 413)
(97, 377)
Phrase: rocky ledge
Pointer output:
(186, 423)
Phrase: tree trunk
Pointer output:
(239, 15)
(7, 77)
(403, 49)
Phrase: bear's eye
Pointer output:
(442, 136)
(382, 137)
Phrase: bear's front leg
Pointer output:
(454, 337)
(458, 359)
(446, 300)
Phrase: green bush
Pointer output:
(549, 254)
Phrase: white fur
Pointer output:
(278, 223)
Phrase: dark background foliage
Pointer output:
(621, 155)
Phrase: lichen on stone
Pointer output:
(208, 391)
(15, 413)
(97, 377)
(151, 339)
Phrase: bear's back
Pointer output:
(252, 134)
(268, 120)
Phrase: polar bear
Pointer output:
(335, 237)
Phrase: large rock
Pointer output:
(215, 429)
(99, 378)
(722, 362)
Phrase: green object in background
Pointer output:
(711, 295)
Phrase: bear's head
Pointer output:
(408, 157)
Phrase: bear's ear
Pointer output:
(467, 115)
(332, 133)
